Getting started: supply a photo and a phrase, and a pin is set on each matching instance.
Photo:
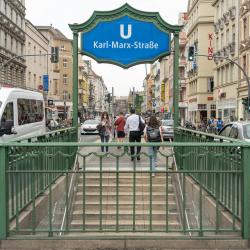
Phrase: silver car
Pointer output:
(89, 127)
(236, 130)
(167, 129)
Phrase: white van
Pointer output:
(22, 114)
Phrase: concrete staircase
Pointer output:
(164, 211)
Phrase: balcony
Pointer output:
(226, 51)
(221, 23)
(183, 83)
(232, 48)
(245, 44)
(245, 7)
(226, 17)
(232, 13)
(216, 27)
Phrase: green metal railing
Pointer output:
(23, 187)
(219, 170)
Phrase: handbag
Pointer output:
(141, 126)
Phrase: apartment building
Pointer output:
(60, 74)
(164, 79)
(38, 65)
(201, 104)
(244, 46)
(226, 30)
(12, 42)
(83, 86)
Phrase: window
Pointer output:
(244, 28)
(246, 131)
(65, 79)
(202, 106)
(34, 54)
(233, 34)
(29, 111)
(7, 113)
(213, 106)
(210, 84)
(226, 130)
(244, 62)
(226, 112)
(62, 47)
(227, 73)
(219, 113)
(222, 40)
(227, 36)
(65, 63)
(234, 132)
(7, 121)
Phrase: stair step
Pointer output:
(95, 187)
(156, 196)
(124, 215)
(127, 223)
(157, 179)
(125, 205)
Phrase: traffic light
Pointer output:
(245, 101)
(54, 55)
(246, 104)
(190, 53)
(108, 98)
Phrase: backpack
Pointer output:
(141, 126)
(153, 134)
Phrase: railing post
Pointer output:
(246, 192)
(3, 189)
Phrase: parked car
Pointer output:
(236, 130)
(167, 129)
(89, 127)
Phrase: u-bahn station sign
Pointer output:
(125, 36)
(125, 41)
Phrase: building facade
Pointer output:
(226, 76)
(37, 66)
(83, 86)
(200, 29)
(244, 44)
(121, 105)
(12, 42)
(60, 74)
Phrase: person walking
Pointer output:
(133, 129)
(120, 124)
(153, 133)
(104, 128)
(219, 124)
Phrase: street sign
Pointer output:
(46, 83)
(125, 41)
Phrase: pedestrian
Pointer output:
(219, 124)
(104, 128)
(132, 127)
(153, 133)
(120, 124)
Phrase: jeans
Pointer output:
(134, 136)
(152, 151)
(104, 139)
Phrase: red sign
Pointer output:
(210, 50)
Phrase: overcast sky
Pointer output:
(60, 13)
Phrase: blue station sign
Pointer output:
(125, 41)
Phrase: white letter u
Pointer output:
(122, 31)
